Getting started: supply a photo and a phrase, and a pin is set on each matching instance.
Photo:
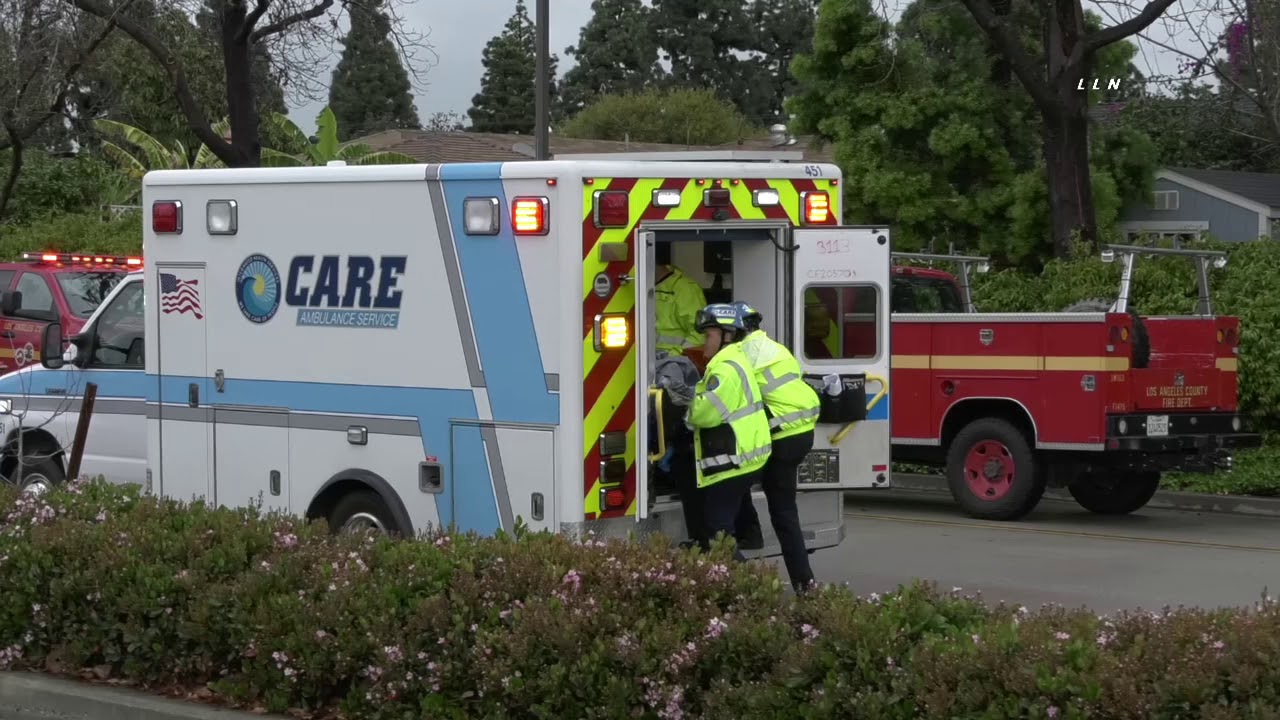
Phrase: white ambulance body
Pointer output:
(431, 345)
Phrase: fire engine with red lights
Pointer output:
(50, 287)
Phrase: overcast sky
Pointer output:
(459, 31)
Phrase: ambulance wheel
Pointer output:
(992, 471)
(39, 476)
(1120, 493)
(362, 511)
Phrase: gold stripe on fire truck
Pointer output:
(1010, 362)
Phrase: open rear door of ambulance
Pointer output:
(646, 340)
(840, 334)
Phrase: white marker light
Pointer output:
(481, 215)
(221, 217)
(765, 198)
(666, 198)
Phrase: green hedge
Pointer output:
(1246, 287)
(79, 232)
(267, 612)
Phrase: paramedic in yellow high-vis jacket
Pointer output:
(731, 432)
(678, 298)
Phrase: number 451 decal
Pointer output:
(813, 170)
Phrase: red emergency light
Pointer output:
(166, 217)
(817, 207)
(82, 259)
(612, 209)
(529, 215)
(612, 498)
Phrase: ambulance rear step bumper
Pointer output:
(821, 515)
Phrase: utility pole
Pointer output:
(542, 96)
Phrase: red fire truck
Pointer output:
(1097, 398)
(50, 287)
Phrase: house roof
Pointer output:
(1262, 188)
(444, 147)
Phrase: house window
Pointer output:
(1164, 200)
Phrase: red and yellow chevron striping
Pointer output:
(609, 378)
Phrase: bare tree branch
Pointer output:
(1023, 65)
(15, 161)
(1115, 33)
(65, 83)
(251, 20)
(288, 21)
(191, 109)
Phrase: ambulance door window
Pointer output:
(841, 322)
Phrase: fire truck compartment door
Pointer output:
(646, 342)
(839, 302)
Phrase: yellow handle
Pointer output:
(656, 394)
(884, 390)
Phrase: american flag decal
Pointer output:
(179, 296)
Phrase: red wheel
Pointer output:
(992, 471)
(989, 470)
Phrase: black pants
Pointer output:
(684, 476)
(721, 503)
(779, 481)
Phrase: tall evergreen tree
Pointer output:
(505, 103)
(371, 91)
(617, 53)
(704, 41)
(785, 31)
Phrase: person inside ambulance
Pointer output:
(821, 337)
(727, 415)
(792, 407)
(678, 298)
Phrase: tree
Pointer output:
(371, 90)
(43, 49)
(944, 149)
(296, 32)
(711, 44)
(1228, 94)
(324, 147)
(617, 53)
(785, 30)
(444, 121)
(1069, 58)
(677, 117)
(505, 103)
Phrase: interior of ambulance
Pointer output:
(749, 264)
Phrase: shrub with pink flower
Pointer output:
(268, 611)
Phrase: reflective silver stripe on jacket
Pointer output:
(752, 406)
(772, 382)
(739, 460)
(781, 420)
(673, 340)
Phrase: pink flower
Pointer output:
(716, 627)
(809, 632)
(573, 579)
(1062, 635)
(1052, 711)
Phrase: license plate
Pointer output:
(1157, 425)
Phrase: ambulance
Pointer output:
(472, 345)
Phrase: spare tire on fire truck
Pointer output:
(1141, 342)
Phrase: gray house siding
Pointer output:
(1226, 221)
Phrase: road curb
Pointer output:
(32, 696)
(1164, 500)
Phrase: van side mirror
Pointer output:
(51, 347)
(10, 303)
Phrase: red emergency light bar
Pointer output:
(80, 259)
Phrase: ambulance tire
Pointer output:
(1120, 494)
(1141, 357)
(361, 511)
(1007, 450)
(39, 475)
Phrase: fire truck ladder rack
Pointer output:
(1129, 253)
(967, 264)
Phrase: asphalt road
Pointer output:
(1058, 554)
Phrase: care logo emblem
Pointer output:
(258, 288)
